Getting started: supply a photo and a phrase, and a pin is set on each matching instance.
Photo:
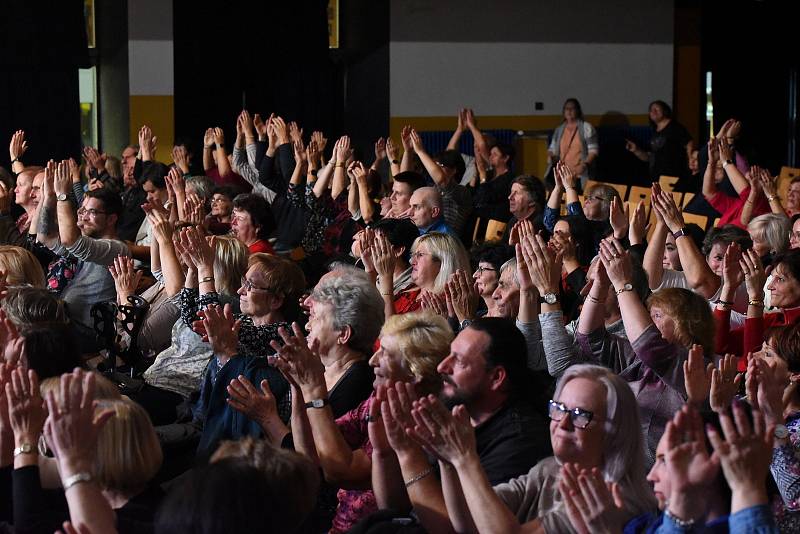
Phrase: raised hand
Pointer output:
(619, 217)
(713, 151)
(208, 138)
(462, 295)
(220, 328)
(72, 427)
(745, 455)
(25, 406)
(405, 138)
(260, 406)
(382, 256)
(295, 132)
(732, 272)
(126, 278)
(697, 376)
(313, 155)
(433, 302)
(449, 436)
(74, 171)
(725, 151)
(219, 137)
(146, 143)
(630, 146)
(380, 149)
(319, 138)
(638, 228)
(416, 141)
(616, 261)
(593, 505)
(566, 175)
(160, 226)
(691, 469)
(260, 126)
(542, 262)
(18, 145)
(62, 179)
(392, 150)
(95, 159)
(201, 251)
(281, 131)
(397, 418)
(768, 183)
(12, 343)
(299, 152)
(300, 363)
(755, 277)
(725, 381)
(181, 157)
(247, 124)
(769, 385)
(665, 207)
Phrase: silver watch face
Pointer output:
(781, 432)
(628, 287)
(550, 298)
(61, 196)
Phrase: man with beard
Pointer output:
(486, 371)
(85, 243)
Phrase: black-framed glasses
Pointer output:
(580, 418)
(596, 198)
(250, 286)
(91, 211)
(480, 270)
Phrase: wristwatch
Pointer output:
(464, 324)
(626, 287)
(728, 162)
(27, 448)
(317, 403)
(61, 197)
(781, 432)
(679, 233)
(548, 298)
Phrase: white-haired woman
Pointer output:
(594, 425)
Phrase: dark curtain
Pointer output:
(43, 45)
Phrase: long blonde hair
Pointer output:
(230, 264)
(20, 266)
(448, 251)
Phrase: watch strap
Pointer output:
(317, 403)
(25, 448)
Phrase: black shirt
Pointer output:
(512, 441)
(668, 151)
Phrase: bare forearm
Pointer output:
(431, 166)
(457, 509)
(301, 431)
(48, 222)
(699, 275)
(339, 181)
(208, 159)
(387, 482)
(488, 511)
(365, 203)
(426, 493)
(653, 262)
(709, 186)
(352, 198)
(554, 202)
(223, 165)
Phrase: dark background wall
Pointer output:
(43, 44)
(274, 57)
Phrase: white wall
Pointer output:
(434, 79)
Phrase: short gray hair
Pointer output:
(356, 303)
(624, 444)
(772, 228)
(202, 185)
(510, 264)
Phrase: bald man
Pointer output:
(426, 211)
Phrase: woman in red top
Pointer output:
(784, 290)
(434, 258)
(252, 222)
(730, 207)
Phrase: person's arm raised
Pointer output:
(709, 184)
(480, 140)
(460, 127)
(68, 230)
(47, 226)
(653, 262)
(738, 181)
(223, 165)
(617, 263)
(16, 150)
(208, 149)
(753, 196)
(433, 168)
(342, 152)
(699, 275)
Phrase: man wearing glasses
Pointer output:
(84, 241)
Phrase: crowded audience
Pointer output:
(305, 338)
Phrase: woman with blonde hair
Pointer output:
(122, 462)
(20, 267)
(178, 370)
(411, 347)
(434, 258)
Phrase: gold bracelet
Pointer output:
(206, 279)
(756, 303)
(339, 165)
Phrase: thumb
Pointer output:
(265, 388)
(616, 492)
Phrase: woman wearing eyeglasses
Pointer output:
(434, 257)
(218, 221)
(594, 424)
(659, 337)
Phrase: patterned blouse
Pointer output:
(354, 505)
(785, 468)
(253, 340)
